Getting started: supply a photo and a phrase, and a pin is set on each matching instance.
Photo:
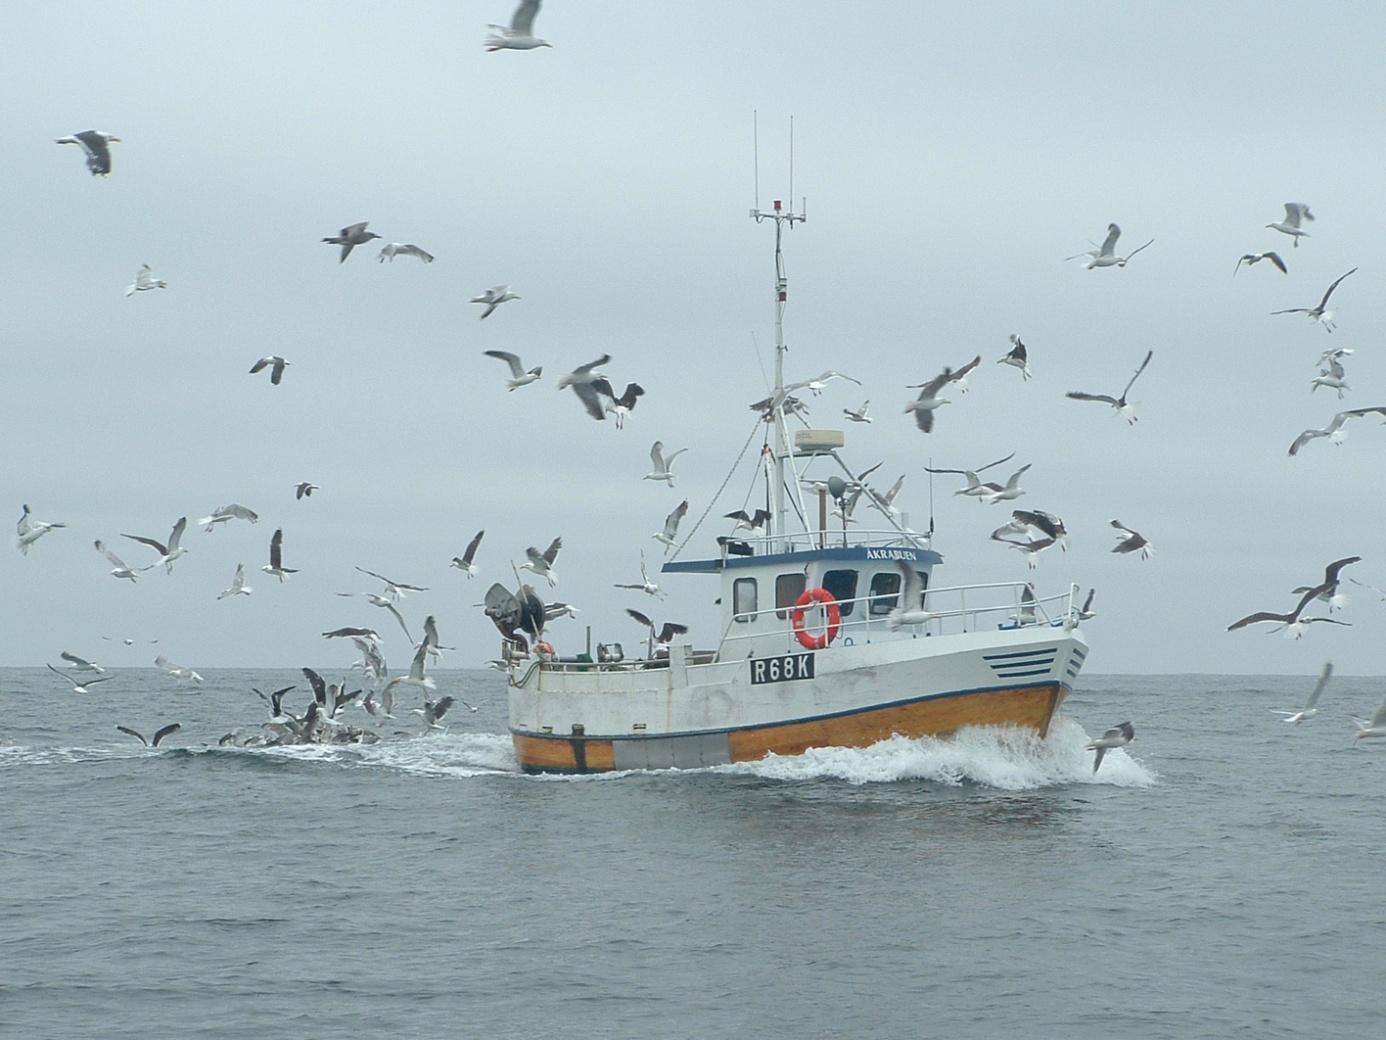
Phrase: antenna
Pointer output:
(755, 152)
(931, 499)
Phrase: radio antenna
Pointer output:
(791, 163)
(755, 151)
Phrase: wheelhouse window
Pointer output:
(788, 589)
(843, 586)
(743, 599)
(885, 592)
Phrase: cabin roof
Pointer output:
(843, 554)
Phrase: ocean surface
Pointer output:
(1223, 879)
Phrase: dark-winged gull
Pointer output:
(1293, 623)
(518, 375)
(519, 34)
(349, 237)
(661, 640)
(464, 562)
(81, 663)
(1119, 404)
(1105, 255)
(1045, 523)
(276, 557)
(305, 489)
(276, 372)
(1295, 215)
(1311, 705)
(384, 602)
(274, 699)
(145, 281)
(238, 587)
(1017, 358)
(1334, 431)
(975, 487)
(432, 712)
(159, 734)
(353, 633)
(929, 400)
(1118, 736)
(167, 553)
(671, 526)
(663, 464)
(1031, 548)
(1319, 313)
(1255, 258)
(79, 687)
(1328, 588)
(30, 530)
(493, 298)
(542, 563)
(394, 249)
(619, 407)
(752, 522)
(96, 144)
(1131, 541)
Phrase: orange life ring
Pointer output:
(796, 619)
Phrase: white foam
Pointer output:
(434, 754)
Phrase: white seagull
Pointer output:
(394, 249)
(416, 676)
(276, 564)
(991, 492)
(81, 664)
(1016, 358)
(1332, 374)
(1334, 431)
(671, 526)
(1131, 541)
(663, 465)
(464, 562)
(177, 670)
(1375, 727)
(79, 687)
(909, 607)
(1310, 708)
(349, 237)
(119, 568)
(518, 376)
(493, 298)
(1256, 258)
(1320, 313)
(394, 589)
(859, 415)
(144, 281)
(541, 563)
(1105, 256)
(1295, 214)
(167, 553)
(31, 530)
(645, 585)
(276, 372)
(238, 587)
(96, 144)
(1117, 736)
(1119, 404)
(519, 34)
(225, 514)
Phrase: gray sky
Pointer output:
(951, 159)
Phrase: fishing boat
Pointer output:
(829, 637)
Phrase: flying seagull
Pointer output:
(751, 523)
(351, 236)
(1310, 708)
(1292, 623)
(305, 489)
(31, 530)
(353, 633)
(519, 35)
(177, 670)
(1031, 549)
(159, 734)
(518, 376)
(909, 607)
(394, 249)
(225, 514)
(275, 699)
(79, 687)
(1295, 214)
(1320, 313)
(276, 373)
(645, 585)
(1117, 736)
(1334, 430)
(663, 465)
(664, 637)
(167, 553)
(493, 298)
(119, 568)
(620, 407)
(394, 589)
(1256, 258)
(416, 676)
(1017, 357)
(859, 415)
(929, 401)
(238, 586)
(1375, 727)
(276, 556)
(1332, 374)
(1045, 523)
(144, 281)
(1131, 541)
(1328, 588)
(385, 603)
(541, 563)
(1105, 256)
(432, 712)
(464, 562)
(973, 483)
(990, 492)
(81, 663)
(96, 145)
(1119, 404)
(671, 526)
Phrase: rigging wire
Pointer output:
(713, 501)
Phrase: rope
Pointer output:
(713, 501)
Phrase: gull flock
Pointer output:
(521, 616)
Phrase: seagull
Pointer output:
(1292, 623)
(353, 633)
(385, 603)
(973, 483)
(79, 687)
(1083, 613)
(1295, 214)
(818, 383)
(1045, 523)
(305, 489)
(464, 562)
(1334, 430)
(144, 281)
(177, 670)
(1255, 258)
(581, 377)
(663, 465)
(81, 663)
(541, 563)
(991, 492)
(666, 634)
(431, 640)
(167, 553)
(1031, 549)
(31, 530)
(909, 608)
(928, 401)
(276, 557)
(274, 700)
(1117, 403)
(276, 373)
(1332, 375)
(751, 523)
(1117, 736)
(1363, 584)
(119, 568)
(519, 35)
(1376, 727)
(859, 415)
(225, 514)
(351, 236)
(431, 712)
(1319, 313)
(159, 734)
(671, 526)
(238, 585)
(620, 407)
(394, 249)
(645, 585)
(1106, 255)
(1310, 708)
(96, 145)
(1016, 358)
(493, 298)
(519, 377)
(394, 589)
(1328, 589)
(1131, 541)
(416, 676)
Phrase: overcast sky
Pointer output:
(951, 159)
